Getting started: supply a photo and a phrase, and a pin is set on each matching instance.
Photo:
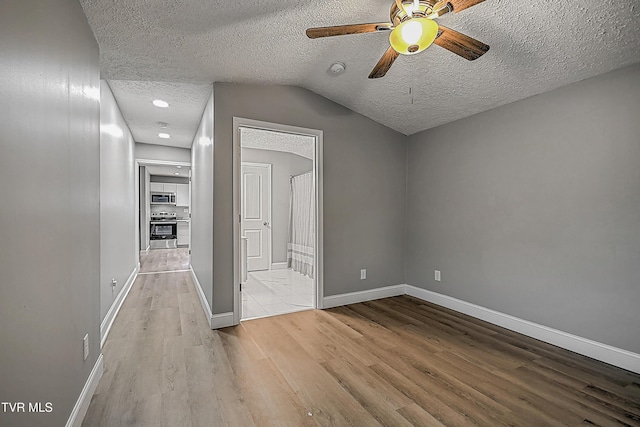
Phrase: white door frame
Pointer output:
(270, 212)
(239, 122)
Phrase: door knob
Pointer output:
(266, 224)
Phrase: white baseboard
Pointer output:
(222, 320)
(369, 295)
(82, 404)
(599, 351)
(203, 299)
(603, 352)
(107, 322)
(279, 266)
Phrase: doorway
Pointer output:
(164, 230)
(278, 203)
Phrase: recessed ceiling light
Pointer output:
(163, 125)
(179, 167)
(164, 135)
(176, 173)
(160, 103)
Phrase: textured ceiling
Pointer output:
(277, 141)
(536, 46)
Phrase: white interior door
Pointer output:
(256, 214)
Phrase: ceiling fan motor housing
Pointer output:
(425, 9)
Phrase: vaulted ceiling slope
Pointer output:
(536, 46)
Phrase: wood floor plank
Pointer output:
(175, 409)
(174, 368)
(518, 399)
(416, 389)
(417, 416)
(273, 401)
(306, 329)
(395, 361)
(379, 405)
(323, 397)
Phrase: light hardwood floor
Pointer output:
(156, 260)
(393, 362)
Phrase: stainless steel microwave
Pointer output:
(163, 198)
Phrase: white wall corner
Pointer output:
(602, 352)
(108, 320)
(279, 266)
(362, 296)
(221, 320)
(82, 404)
(203, 299)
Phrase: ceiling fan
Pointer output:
(413, 29)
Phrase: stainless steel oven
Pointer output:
(163, 233)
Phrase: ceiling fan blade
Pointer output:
(339, 30)
(459, 5)
(465, 46)
(384, 64)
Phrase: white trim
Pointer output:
(362, 296)
(603, 352)
(107, 322)
(279, 266)
(222, 320)
(318, 178)
(203, 300)
(82, 404)
(318, 181)
(153, 162)
(144, 162)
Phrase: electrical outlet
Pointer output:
(85, 346)
(436, 275)
(363, 274)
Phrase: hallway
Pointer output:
(157, 331)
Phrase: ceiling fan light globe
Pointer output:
(413, 36)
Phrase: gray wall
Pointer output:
(283, 165)
(161, 152)
(202, 202)
(533, 209)
(118, 225)
(364, 186)
(50, 186)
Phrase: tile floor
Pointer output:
(272, 292)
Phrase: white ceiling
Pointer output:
(536, 46)
(168, 170)
(260, 139)
(186, 104)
